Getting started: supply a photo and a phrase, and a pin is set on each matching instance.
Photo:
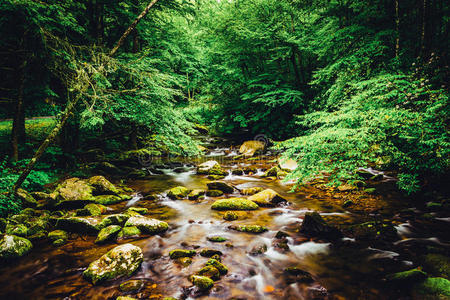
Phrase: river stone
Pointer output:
(74, 192)
(115, 219)
(111, 199)
(195, 194)
(214, 193)
(12, 246)
(237, 172)
(314, 225)
(252, 190)
(295, 274)
(234, 204)
(201, 282)
(120, 261)
(210, 167)
(57, 234)
(221, 186)
(267, 197)
(209, 271)
(216, 239)
(79, 224)
(272, 172)
(26, 198)
(131, 286)
(249, 148)
(125, 298)
(91, 209)
(409, 276)
(178, 193)
(437, 264)
(129, 231)
(101, 186)
(139, 210)
(147, 225)
(249, 228)
(17, 229)
(178, 253)
(107, 234)
(432, 288)
(218, 265)
(210, 252)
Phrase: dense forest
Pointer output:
(342, 100)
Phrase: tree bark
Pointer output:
(71, 105)
(17, 131)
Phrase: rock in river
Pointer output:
(221, 186)
(234, 204)
(178, 193)
(314, 225)
(267, 197)
(107, 233)
(121, 261)
(210, 167)
(12, 246)
(147, 225)
(249, 148)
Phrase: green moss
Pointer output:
(128, 231)
(250, 228)
(139, 210)
(218, 265)
(209, 271)
(210, 252)
(59, 242)
(214, 193)
(147, 225)
(177, 193)
(221, 186)
(435, 286)
(108, 199)
(234, 204)
(131, 286)
(215, 177)
(57, 234)
(216, 239)
(251, 191)
(107, 234)
(438, 265)
(230, 216)
(12, 246)
(116, 219)
(202, 282)
(91, 209)
(413, 275)
(17, 229)
(184, 261)
(177, 253)
(195, 194)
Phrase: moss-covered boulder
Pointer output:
(57, 235)
(195, 194)
(203, 283)
(237, 172)
(251, 191)
(107, 234)
(101, 186)
(12, 246)
(128, 232)
(215, 177)
(209, 271)
(214, 193)
(218, 265)
(267, 197)
(216, 239)
(295, 274)
(147, 225)
(313, 225)
(221, 186)
(125, 298)
(79, 224)
(177, 253)
(374, 230)
(437, 264)
(184, 261)
(210, 167)
(74, 192)
(406, 277)
(249, 228)
(91, 209)
(111, 199)
(210, 252)
(178, 193)
(114, 219)
(139, 210)
(230, 216)
(17, 229)
(272, 172)
(131, 286)
(234, 204)
(250, 148)
(432, 288)
(26, 198)
(120, 261)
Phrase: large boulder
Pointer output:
(101, 186)
(221, 186)
(234, 204)
(287, 164)
(147, 225)
(121, 261)
(79, 224)
(201, 282)
(26, 198)
(210, 167)
(313, 225)
(267, 197)
(12, 246)
(432, 288)
(107, 234)
(249, 148)
(178, 193)
(195, 194)
(74, 192)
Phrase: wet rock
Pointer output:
(258, 249)
(139, 210)
(59, 242)
(91, 209)
(249, 228)
(110, 199)
(209, 271)
(180, 170)
(374, 231)
(218, 265)
(272, 172)
(314, 225)
(147, 225)
(347, 203)
(237, 172)
(250, 170)
(184, 261)
(295, 274)
(317, 292)
(432, 288)
(216, 239)
(266, 198)
(406, 277)
(251, 191)
(178, 193)
(74, 192)
(230, 216)
(101, 186)
(214, 193)
(210, 252)
(17, 229)
(234, 204)
(202, 282)
(287, 164)
(195, 194)
(12, 246)
(78, 224)
(177, 253)
(215, 177)
(107, 234)
(26, 198)
(115, 219)
(250, 148)
(281, 235)
(221, 186)
(58, 235)
(210, 167)
(346, 188)
(437, 264)
(121, 261)
(131, 286)
(128, 232)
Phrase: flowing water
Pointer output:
(343, 271)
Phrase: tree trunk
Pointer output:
(18, 126)
(397, 29)
(423, 30)
(71, 105)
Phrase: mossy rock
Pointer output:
(218, 265)
(209, 271)
(249, 228)
(128, 232)
(178, 193)
(230, 216)
(215, 177)
(74, 192)
(115, 219)
(211, 167)
(370, 191)
(58, 234)
(147, 225)
(251, 191)
(258, 249)
(214, 193)
(295, 274)
(79, 224)
(178, 253)
(210, 252)
(437, 264)
(203, 283)
(221, 186)
(267, 197)
(216, 239)
(111, 199)
(250, 148)
(139, 210)
(432, 288)
(107, 234)
(272, 172)
(314, 225)
(131, 286)
(91, 209)
(120, 261)
(195, 194)
(184, 261)
(125, 298)
(26, 198)
(59, 242)
(234, 204)
(101, 186)
(407, 277)
(237, 172)
(17, 229)
(12, 246)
